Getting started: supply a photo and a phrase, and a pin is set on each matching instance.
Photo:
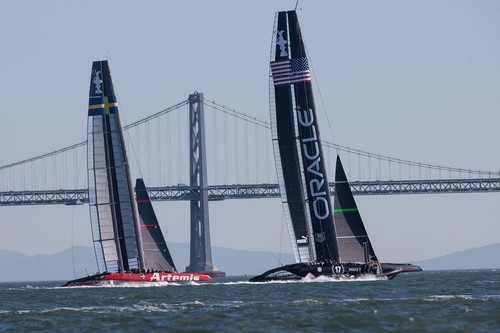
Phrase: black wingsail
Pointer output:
(113, 214)
(156, 253)
(316, 182)
(285, 146)
(354, 244)
(307, 196)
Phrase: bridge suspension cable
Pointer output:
(83, 143)
(266, 124)
(231, 143)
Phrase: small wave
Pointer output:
(357, 300)
(15, 289)
(307, 301)
(149, 307)
(92, 309)
(27, 287)
(140, 307)
(437, 298)
(194, 303)
(232, 283)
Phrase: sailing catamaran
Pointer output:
(128, 242)
(325, 241)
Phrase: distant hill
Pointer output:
(58, 267)
(19, 267)
(477, 258)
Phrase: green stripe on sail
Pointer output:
(343, 210)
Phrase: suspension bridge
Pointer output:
(230, 157)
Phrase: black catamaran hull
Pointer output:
(299, 271)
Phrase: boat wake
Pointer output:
(344, 278)
(111, 284)
(324, 279)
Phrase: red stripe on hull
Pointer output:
(157, 277)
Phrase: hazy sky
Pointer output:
(418, 80)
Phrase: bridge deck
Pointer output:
(255, 191)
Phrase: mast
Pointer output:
(113, 213)
(285, 144)
(301, 153)
(318, 193)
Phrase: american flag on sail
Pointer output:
(290, 71)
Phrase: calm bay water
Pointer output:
(436, 301)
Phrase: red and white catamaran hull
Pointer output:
(136, 278)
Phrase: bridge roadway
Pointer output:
(255, 191)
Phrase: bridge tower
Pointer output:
(200, 249)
